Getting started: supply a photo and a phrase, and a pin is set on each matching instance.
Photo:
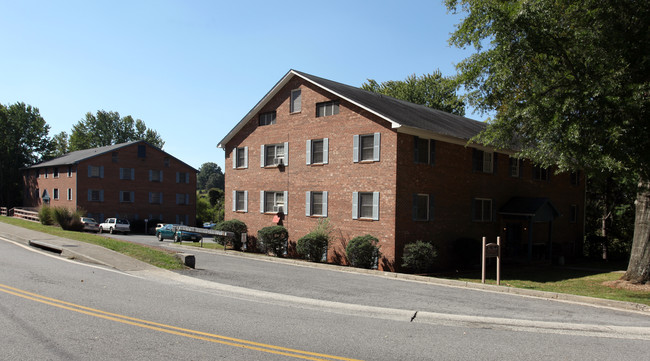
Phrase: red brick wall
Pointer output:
(62, 183)
(340, 177)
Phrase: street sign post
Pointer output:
(491, 250)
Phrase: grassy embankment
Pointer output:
(157, 257)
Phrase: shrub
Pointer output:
(67, 219)
(362, 251)
(45, 215)
(273, 238)
(419, 256)
(313, 246)
(234, 225)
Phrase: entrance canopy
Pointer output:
(537, 209)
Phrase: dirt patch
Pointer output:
(625, 285)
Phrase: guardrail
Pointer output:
(21, 213)
(3, 211)
(210, 232)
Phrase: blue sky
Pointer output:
(192, 69)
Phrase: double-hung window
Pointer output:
(327, 108)
(316, 204)
(182, 177)
(273, 202)
(267, 118)
(365, 205)
(240, 201)
(69, 194)
(155, 197)
(483, 161)
(422, 207)
(127, 196)
(366, 148)
(317, 151)
(96, 195)
(296, 101)
(240, 158)
(482, 210)
(274, 154)
(95, 172)
(182, 199)
(155, 175)
(540, 173)
(127, 173)
(424, 151)
(55, 193)
(515, 167)
(55, 173)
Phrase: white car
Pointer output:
(113, 225)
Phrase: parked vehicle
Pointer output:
(159, 226)
(167, 232)
(90, 224)
(113, 225)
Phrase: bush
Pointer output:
(273, 238)
(46, 216)
(313, 246)
(419, 256)
(234, 225)
(67, 219)
(362, 251)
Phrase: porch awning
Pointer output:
(539, 209)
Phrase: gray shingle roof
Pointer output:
(79, 155)
(398, 112)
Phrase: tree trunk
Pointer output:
(638, 270)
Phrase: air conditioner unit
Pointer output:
(278, 161)
(276, 209)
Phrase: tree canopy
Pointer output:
(431, 90)
(570, 84)
(23, 141)
(210, 176)
(107, 128)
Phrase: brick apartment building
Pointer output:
(133, 180)
(401, 172)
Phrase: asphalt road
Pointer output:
(247, 309)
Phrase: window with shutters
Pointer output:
(274, 155)
(296, 101)
(515, 167)
(317, 151)
(241, 157)
(127, 173)
(273, 202)
(182, 199)
(240, 201)
(540, 173)
(95, 172)
(482, 210)
(126, 196)
(267, 118)
(424, 151)
(155, 175)
(366, 148)
(182, 177)
(365, 205)
(327, 108)
(155, 197)
(95, 195)
(483, 161)
(316, 204)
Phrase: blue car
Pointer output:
(167, 232)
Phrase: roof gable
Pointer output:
(399, 113)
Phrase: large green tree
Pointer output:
(431, 90)
(210, 176)
(23, 141)
(107, 128)
(570, 83)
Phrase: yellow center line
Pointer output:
(225, 340)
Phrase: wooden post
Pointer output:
(483, 261)
(499, 261)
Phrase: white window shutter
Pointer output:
(326, 150)
(245, 157)
(132, 173)
(187, 198)
(286, 154)
(355, 149)
(325, 203)
(261, 201)
(187, 177)
(234, 201)
(90, 195)
(355, 207)
(132, 196)
(375, 206)
(245, 201)
(308, 203)
(101, 172)
(234, 158)
(308, 147)
(262, 155)
(101, 195)
(161, 197)
(286, 202)
(377, 147)
(178, 177)
(161, 174)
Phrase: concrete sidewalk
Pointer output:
(72, 249)
(99, 255)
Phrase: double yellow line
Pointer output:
(178, 331)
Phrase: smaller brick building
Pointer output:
(372, 164)
(133, 180)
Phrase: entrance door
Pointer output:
(512, 244)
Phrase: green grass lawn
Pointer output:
(154, 256)
(584, 279)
